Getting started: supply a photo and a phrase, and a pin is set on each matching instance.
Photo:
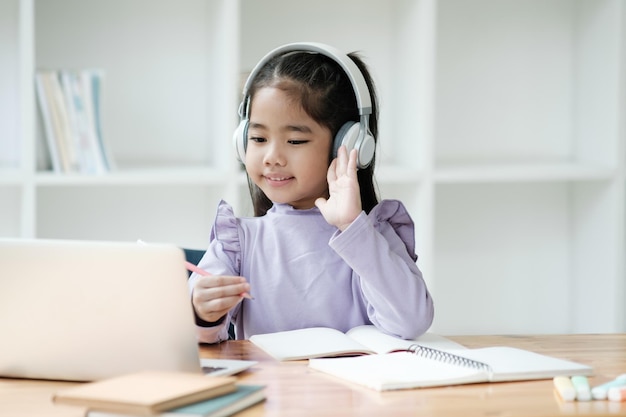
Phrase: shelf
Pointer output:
(520, 172)
(139, 177)
(533, 79)
(168, 84)
(11, 176)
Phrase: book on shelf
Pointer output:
(78, 99)
(319, 342)
(422, 367)
(55, 121)
(69, 103)
(145, 393)
(243, 397)
(46, 108)
(93, 79)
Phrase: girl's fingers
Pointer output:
(332, 171)
(214, 295)
(221, 305)
(211, 281)
(342, 158)
(212, 287)
(351, 165)
(345, 162)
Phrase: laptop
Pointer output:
(87, 310)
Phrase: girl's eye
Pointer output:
(297, 142)
(257, 139)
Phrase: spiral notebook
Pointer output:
(422, 367)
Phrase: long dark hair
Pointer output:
(327, 96)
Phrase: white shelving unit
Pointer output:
(501, 129)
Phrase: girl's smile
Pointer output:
(277, 181)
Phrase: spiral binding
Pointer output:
(442, 356)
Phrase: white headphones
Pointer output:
(354, 135)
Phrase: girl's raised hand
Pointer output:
(344, 202)
(214, 295)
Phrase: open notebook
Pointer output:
(422, 367)
(85, 310)
(319, 342)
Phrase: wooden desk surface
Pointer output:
(294, 390)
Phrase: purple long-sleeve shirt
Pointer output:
(303, 272)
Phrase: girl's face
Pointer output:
(287, 152)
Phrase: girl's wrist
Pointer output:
(203, 323)
(342, 227)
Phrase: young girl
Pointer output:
(321, 250)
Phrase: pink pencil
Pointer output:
(194, 268)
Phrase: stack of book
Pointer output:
(69, 103)
(151, 393)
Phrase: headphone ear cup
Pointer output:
(346, 135)
(240, 140)
(350, 135)
(366, 150)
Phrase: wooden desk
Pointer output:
(294, 390)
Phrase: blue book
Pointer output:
(225, 405)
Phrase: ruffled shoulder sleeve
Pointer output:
(393, 213)
(225, 233)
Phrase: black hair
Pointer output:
(326, 94)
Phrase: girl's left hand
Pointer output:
(344, 202)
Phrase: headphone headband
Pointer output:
(352, 135)
(363, 99)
